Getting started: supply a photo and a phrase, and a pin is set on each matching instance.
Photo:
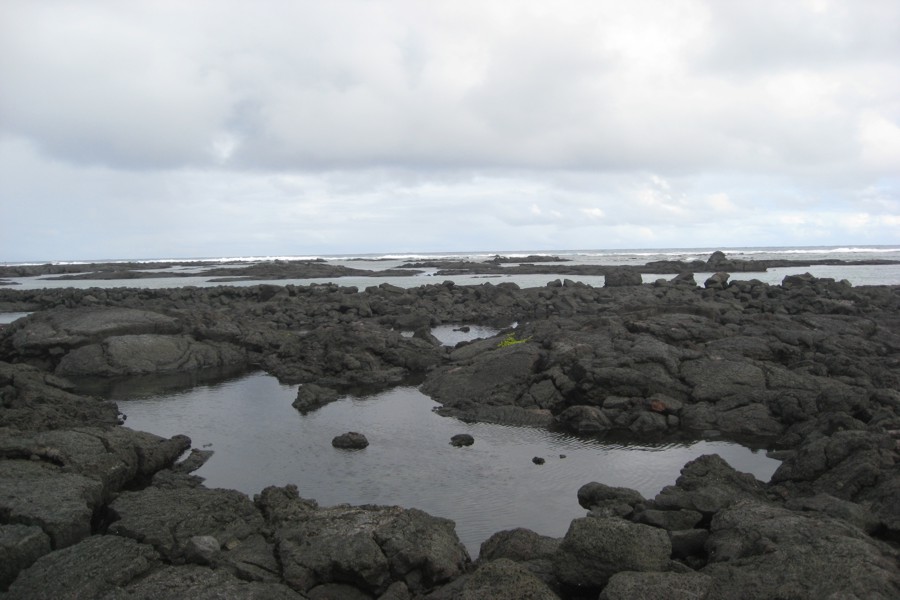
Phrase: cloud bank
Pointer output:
(156, 129)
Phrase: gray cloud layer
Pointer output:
(206, 128)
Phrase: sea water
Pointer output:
(856, 275)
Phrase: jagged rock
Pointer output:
(283, 504)
(594, 549)
(605, 500)
(717, 281)
(495, 377)
(37, 493)
(20, 546)
(168, 518)
(622, 276)
(33, 399)
(707, 485)
(351, 440)
(115, 456)
(842, 464)
(196, 459)
(368, 547)
(657, 586)
(88, 569)
(311, 397)
(199, 583)
(503, 579)
(761, 551)
(525, 547)
(201, 549)
(670, 520)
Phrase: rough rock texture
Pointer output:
(809, 369)
(36, 400)
(20, 546)
(61, 504)
(352, 440)
(622, 276)
(167, 519)
(199, 583)
(89, 569)
(148, 353)
(631, 585)
(503, 579)
(368, 547)
(595, 548)
(707, 485)
(762, 551)
(311, 396)
(533, 551)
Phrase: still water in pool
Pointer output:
(259, 440)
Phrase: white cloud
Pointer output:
(448, 124)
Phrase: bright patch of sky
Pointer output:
(173, 129)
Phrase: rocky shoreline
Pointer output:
(273, 270)
(809, 368)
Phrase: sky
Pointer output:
(172, 129)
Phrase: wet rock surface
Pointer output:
(809, 369)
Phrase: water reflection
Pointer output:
(260, 440)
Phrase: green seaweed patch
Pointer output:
(512, 340)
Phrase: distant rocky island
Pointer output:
(318, 269)
(809, 368)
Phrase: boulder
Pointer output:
(89, 569)
(608, 500)
(622, 276)
(20, 546)
(630, 585)
(498, 376)
(707, 485)
(717, 281)
(761, 551)
(462, 439)
(199, 583)
(37, 493)
(670, 520)
(525, 547)
(368, 547)
(842, 464)
(168, 519)
(33, 399)
(351, 440)
(116, 457)
(503, 579)
(594, 549)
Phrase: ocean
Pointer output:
(856, 275)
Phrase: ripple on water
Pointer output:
(260, 440)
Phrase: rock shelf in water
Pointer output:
(810, 368)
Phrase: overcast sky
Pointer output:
(192, 129)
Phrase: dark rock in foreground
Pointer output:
(809, 369)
